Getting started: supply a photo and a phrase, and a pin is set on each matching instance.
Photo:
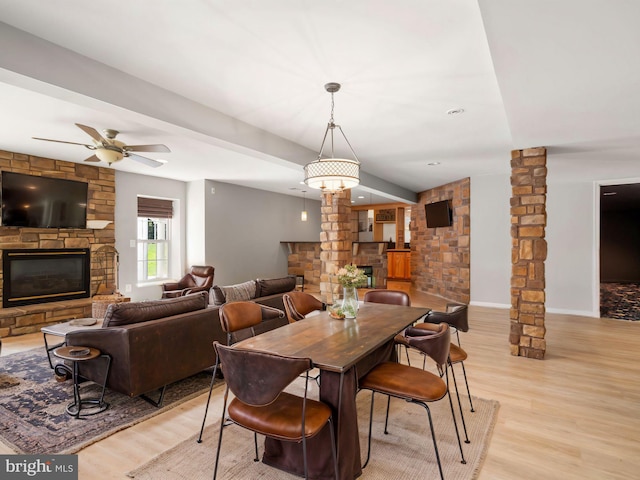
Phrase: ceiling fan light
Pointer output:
(109, 156)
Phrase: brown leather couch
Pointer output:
(153, 344)
(199, 279)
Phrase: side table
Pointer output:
(75, 355)
(61, 330)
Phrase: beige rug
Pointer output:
(405, 453)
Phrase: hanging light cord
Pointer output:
(331, 126)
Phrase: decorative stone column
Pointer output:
(528, 252)
(336, 241)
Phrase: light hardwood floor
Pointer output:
(574, 415)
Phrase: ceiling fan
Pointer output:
(110, 150)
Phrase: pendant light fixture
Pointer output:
(332, 174)
(303, 214)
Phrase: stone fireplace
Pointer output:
(45, 275)
(29, 318)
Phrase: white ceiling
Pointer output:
(235, 88)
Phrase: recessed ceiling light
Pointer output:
(353, 201)
(455, 111)
(360, 196)
(433, 164)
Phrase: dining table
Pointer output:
(343, 350)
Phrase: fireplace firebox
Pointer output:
(45, 275)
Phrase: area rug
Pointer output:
(32, 407)
(406, 453)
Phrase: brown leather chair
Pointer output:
(257, 380)
(199, 279)
(413, 384)
(391, 297)
(299, 304)
(239, 317)
(456, 316)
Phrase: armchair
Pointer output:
(199, 279)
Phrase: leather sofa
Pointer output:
(153, 344)
(267, 291)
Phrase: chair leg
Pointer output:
(433, 436)
(464, 372)
(206, 408)
(255, 443)
(455, 424)
(224, 409)
(464, 425)
(386, 420)
(370, 428)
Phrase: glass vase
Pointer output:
(350, 302)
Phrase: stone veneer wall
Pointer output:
(304, 259)
(528, 252)
(101, 206)
(440, 257)
(336, 240)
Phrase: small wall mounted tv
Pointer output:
(439, 214)
(43, 202)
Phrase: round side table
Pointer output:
(76, 354)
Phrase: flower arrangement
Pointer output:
(351, 276)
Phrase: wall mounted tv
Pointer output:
(438, 214)
(43, 202)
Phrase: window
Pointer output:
(154, 238)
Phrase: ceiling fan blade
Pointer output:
(147, 148)
(92, 158)
(93, 133)
(62, 141)
(147, 161)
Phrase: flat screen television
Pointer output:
(43, 202)
(438, 214)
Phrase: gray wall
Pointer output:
(238, 230)
(244, 228)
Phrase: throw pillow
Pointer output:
(216, 296)
(272, 286)
(241, 292)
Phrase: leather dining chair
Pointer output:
(297, 305)
(391, 297)
(257, 380)
(413, 384)
(239, 317)
(456, 316)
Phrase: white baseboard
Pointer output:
(561, 311)
(581, 313)
(490, 304)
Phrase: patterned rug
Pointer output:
(32, 407)
(620, 300)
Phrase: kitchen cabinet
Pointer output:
(399, 264)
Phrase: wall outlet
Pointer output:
(213, 190)
(132, 243)
(127, 288)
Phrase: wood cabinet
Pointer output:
(399, 265)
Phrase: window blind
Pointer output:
(155, 207)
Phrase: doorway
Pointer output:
(620, 251)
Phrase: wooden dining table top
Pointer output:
(336, 345)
